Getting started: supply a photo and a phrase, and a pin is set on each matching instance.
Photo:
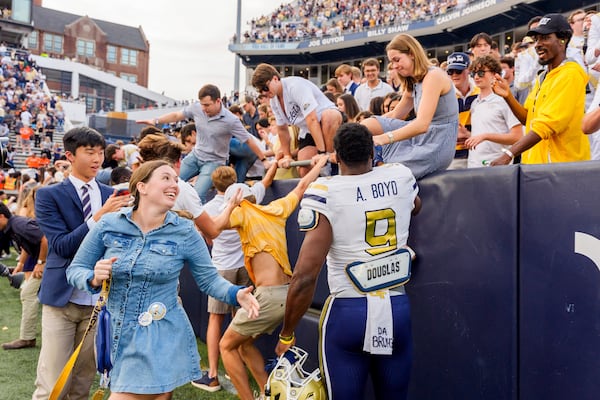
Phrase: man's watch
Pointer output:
(41, 262)
(155, 121)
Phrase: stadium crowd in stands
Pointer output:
(301, 20)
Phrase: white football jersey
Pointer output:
(369, 215)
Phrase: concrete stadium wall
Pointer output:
(505, 292)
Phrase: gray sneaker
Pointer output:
(207, 383)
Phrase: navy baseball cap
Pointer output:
(551, 23)
(458, 60)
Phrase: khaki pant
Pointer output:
(29, 308)
(62, 330)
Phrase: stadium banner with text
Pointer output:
(479, 6)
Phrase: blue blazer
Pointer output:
(353, 87)
(59, 213)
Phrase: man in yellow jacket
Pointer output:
(554, 109)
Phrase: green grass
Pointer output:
(18, 367)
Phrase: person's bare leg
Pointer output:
(234, 364)
(306, 153)
(213, 335)
(255, 363)
(330, 122)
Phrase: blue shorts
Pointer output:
(345, 366)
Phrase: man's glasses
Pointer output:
(454, 72)
(266, 87)
(480, 73)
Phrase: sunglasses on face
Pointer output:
(266, 87)
(454, 72)
(480, 73)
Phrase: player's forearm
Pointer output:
(300, 296)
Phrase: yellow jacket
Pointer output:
(555, 109)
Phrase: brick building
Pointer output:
(117, 49)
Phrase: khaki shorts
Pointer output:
(272, 308)
(237, 276)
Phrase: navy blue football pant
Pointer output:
(344, 364)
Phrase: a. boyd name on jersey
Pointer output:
(376, 190)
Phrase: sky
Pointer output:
(188, 38)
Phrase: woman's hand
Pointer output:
(248, 302)
(102, 271)
(380, 140)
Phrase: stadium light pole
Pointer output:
(238, 25)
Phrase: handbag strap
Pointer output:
(68, 368)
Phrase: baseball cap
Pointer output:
(551, 23)
(458, 60)
(232, 190)
(527, 39)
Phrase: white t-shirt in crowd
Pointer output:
(489, 115)
(188, 199)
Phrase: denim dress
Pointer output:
(150, 355)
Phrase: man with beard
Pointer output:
(554, 109)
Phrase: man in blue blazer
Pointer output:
(66, 212)
(343, 73)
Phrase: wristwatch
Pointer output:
(155, 121)
(41, 262)
(390, 136)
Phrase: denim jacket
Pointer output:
(145, 274)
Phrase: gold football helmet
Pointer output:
(289, 381)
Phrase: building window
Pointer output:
(129, 77)
(133, 101)
(98, 95)
(59, 81)
(111, 54)
(85, 48)
(53, 43)
(32, 40)
(129, 57)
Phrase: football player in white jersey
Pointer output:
(359, 220)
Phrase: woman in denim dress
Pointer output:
(143, 249)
